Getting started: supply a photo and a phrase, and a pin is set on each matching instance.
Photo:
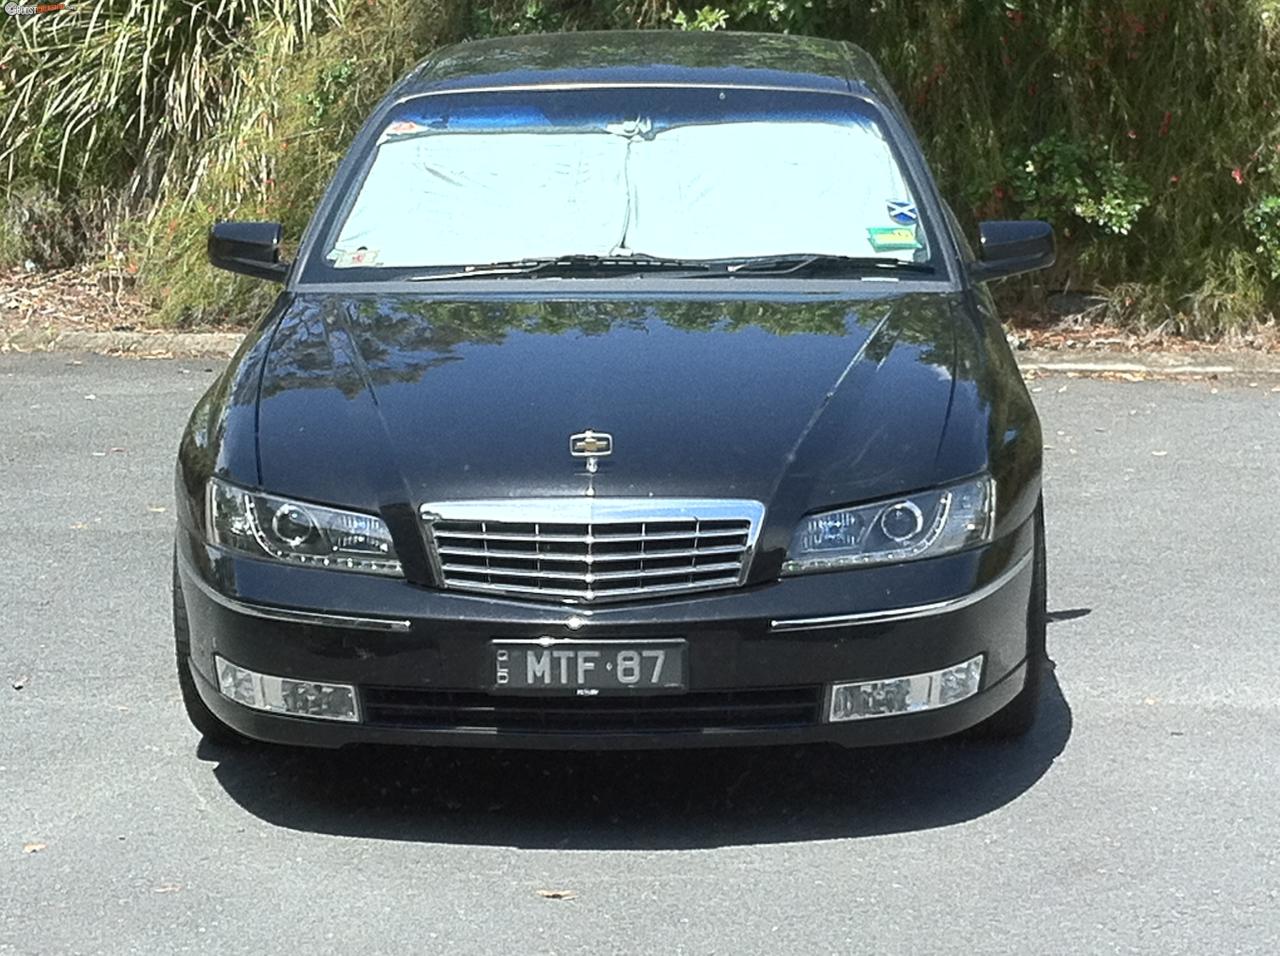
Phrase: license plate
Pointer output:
(588, 669)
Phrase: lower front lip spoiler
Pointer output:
(890, 615)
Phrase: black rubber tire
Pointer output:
(1018, 717)
(202, 718)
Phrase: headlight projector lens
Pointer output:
(292, 525)
(901, 522)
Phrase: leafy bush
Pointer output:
(1264, 222)
(1061, 179)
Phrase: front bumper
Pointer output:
(788, 641)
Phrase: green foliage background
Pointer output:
(1148, 131)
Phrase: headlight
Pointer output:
(922, 525)
(265, 526)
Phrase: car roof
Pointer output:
(648, 57)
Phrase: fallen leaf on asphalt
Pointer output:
(1159, 454)
(557, 894)
(33, 847)
(157, 509)
(20, 682)
(79, 526)
(1061, 390)
(117, 450)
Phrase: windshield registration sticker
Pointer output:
(892, 238)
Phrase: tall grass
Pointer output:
(275, 146)
(106, 92)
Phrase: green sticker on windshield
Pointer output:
(892, 238)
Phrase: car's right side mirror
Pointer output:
(1010, 248)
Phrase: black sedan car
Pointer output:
(626, 390)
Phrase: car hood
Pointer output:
(397, 400)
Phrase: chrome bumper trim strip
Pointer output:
(889, 615)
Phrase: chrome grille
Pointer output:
(580, 550)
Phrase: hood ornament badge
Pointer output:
(591, 445)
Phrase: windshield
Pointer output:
(698, 174)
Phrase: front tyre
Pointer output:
(1018, 717)
(201, 717)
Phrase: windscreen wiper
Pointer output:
(573, 266)
(827, 264)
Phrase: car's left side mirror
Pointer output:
(1012, 248)
(250, 248)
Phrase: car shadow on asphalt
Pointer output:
(679, 799)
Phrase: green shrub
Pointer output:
(1061, 180)
(1264, 222)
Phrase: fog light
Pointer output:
(905, 695)
(284, 695)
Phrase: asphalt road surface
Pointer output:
(1143, 815)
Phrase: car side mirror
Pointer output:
(1012, 248)
(250, 248)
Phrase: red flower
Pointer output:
(1133, 134)
(1238, 175)
(1175, 179)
